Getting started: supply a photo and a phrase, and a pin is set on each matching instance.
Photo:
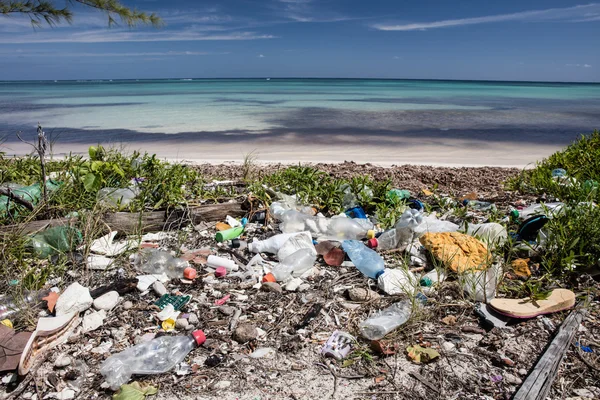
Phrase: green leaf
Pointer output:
(96, 165)
(93, 151)
(134, 391)
(92, 182)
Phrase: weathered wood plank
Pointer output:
(539, 381)
(152, 221)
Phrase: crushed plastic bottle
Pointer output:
(433, 277)
(117, 198)
(407, 228)
(548, 209)
(348, 229)
(156, 356)
(366, 260)
(479, 205)
(386, 241)
(386, 321)
(154, 261)
(270, 245)
(294, 265)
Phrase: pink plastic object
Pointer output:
(190, 273)
(338, 345)
(222, 301)
(220, 272)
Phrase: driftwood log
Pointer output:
(539, 381)
(152, 221)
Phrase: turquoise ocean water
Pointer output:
(239, 109)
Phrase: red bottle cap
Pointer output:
(220, 272)
(269, 278)
(372, 243)
(199, 337)
(189, 273)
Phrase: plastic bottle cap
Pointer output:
(269, 278)
(372, 243)
(370, 234)
(235, 244)
(244, 221)
(190, 273)
(220, 272)
(199, 337)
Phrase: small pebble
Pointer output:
(193, 319)
(128, 305)
(522, 372)
(107, 301)
(514, 380)
(448, 346)
(226, 310)
(159, 288)
(181, 323)
(222, 385)
(245, 333)
(359, 294)
(62, 361)
(272, 287)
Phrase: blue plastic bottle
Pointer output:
(366, 260)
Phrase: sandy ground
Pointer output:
(450, 152)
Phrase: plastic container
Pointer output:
(216, 262)
(386, 321)
(547, 209)
(356, 212)
(348, 228)
(58, 239)
(229, 234)
(397, 281)
(366, 260)
(117, 198)
(154, 261)
(479, 205)
(153, 357)
(294, 265)
(10, 306)
(491, 233)
(407, 227)
(270, 245)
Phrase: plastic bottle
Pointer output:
(238, 244)
(216, 262)
(366, 260)
(559, 172)
(229, 234)
(407, 227)
(348, 228)
(154, 261)
(117, 198)
(295, 264)
(154, 357)
(10, 306)
(387, 240)
(270, 245)
(384, 322)
(479, 205)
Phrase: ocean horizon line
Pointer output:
(267, 78)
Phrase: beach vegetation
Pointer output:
(48, 12)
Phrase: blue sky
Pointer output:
(543, 40)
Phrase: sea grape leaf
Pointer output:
(135, 391)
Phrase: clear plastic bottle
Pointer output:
(348, 228)
(294, 265)
(386, 241)
(384, 322)
(154, 357)
(433, 277)
(10, 306)
(154, 261)
(366, 260)
(407, 227)
(270, 245)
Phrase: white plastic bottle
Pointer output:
(294, 265)
(216, 262)
(154, 357)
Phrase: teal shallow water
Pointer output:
(221, 108)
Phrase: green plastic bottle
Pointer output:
(229, 234)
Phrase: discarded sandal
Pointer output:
(559, 300)
(49, 333)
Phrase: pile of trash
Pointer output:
(173, 307)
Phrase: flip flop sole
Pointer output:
(559, 300)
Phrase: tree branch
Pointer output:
(8, 193)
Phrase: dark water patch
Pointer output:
(10, 107)
(249, 101)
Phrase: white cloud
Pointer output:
(579, 65)
(569, 14)
(396, 58)
(261, 56)
(21, 53)
(112, 35)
